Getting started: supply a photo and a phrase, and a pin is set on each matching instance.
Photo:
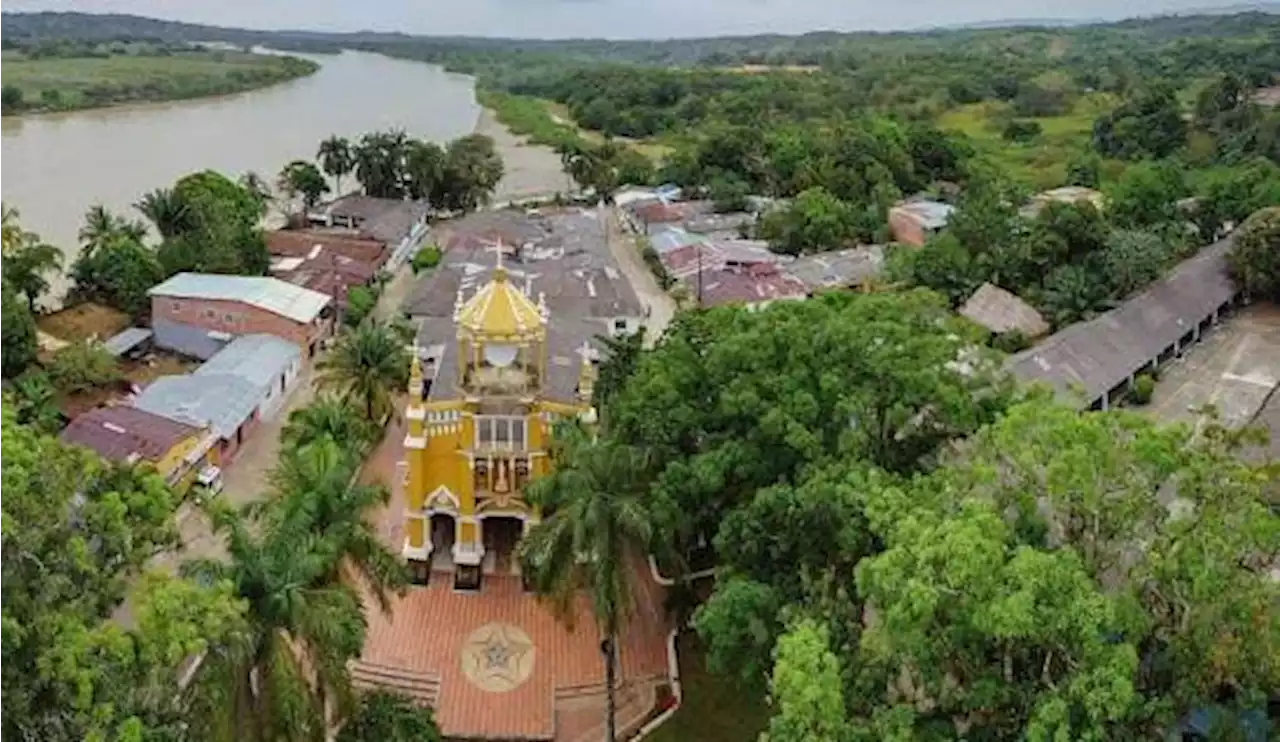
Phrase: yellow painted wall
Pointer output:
(173, 459)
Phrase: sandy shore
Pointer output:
(531, 170)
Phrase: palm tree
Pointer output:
(332, 419)
(384, 716)
(336, 160)
(281, 673)
(596, 528)
(101, 226)
(27, 265)
(316, 491)
(368, 363)
(166, 211)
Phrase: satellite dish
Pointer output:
(500, 356)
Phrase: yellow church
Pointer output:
(485, 390)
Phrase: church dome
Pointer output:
(500, 312)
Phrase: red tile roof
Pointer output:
(120, 432)
(327, 272)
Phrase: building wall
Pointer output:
(228, 447)
(275, 394)
(238, 318)
(175, 457)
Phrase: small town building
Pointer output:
(197, 314)
(326, 272)
(1093, 363)
(564, 263)
(1001, 311)
(838, 269)
(243, 384)
(299, 243)
(178, 450)
(913, 221)
(396, 223)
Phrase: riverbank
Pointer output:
(56, 84)
(530, 169)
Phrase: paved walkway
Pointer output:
(1234, 367)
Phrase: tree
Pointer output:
(118, 273)
(733, 401)
(619, 364)
(379, 159)
(1084, 169)
(11, 98)
(807, 693)
(361, 301)
(329, 419)
(76, 533)
(1231, 195)
(1132, 259)
(424, 168)
(219, 229)
(1255, 256)
(593, 539)
(426, 258)
(1018, 130)
(336, 160)
(28, 260)
(472, 169)
(301, 178)
(383, 716)
(815, 221)
(1148, 125)
(19, 328)
(366, 366)
(316, 493)
(166, 211)
(1146, 194)
(280, 676)
(1069, 575)
(82, 367)
(35, 402)
(101, 227)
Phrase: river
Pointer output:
(58, 165)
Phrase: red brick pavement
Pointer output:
(427, 628)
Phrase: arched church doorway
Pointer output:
(501, 538)
(443, 533)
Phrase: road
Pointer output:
(658, 304)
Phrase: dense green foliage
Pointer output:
(209, 224)
(115, 267)
(28, 261)
(460, 176)
(19, 328)
(426, 258)
(1255, 256)
(366, 367)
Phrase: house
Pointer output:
(755, 286)
(1094, 362)
(177, 450)
(566, 268)
(327, 272)
(838, 269)
(299, 243)
(913, 221)
(243, 384)
(398, 224)
(1001, 311)
(196, 314)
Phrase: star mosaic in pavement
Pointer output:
(497, 657)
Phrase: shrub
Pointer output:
(1255, 256)
(82, 367)
(1021, 131)
(654, 261)
(426, 258)
(1143, 387)
(360, 303)
(1011, 341)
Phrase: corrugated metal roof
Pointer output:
(189, 340)
(222, 401)
(119, 432)
(127, 340)
(272, 294)
(1100, 354)
(258, 359)
(929, 214)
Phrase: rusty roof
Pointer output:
(121, 432)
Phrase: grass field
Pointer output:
(714, 709)
(65, 83)
(549, 123)
(1042, 162)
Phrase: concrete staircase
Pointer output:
(422, 687)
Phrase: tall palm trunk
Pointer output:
(610, 680)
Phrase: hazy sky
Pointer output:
(606, 18)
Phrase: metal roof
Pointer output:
(929, 214)
(1100, 354)
(258, 359)
(127, 340)
(120, 432)
(226, 389)
(221, 401)
(272, 294)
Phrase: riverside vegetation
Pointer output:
(64, 77)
